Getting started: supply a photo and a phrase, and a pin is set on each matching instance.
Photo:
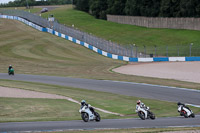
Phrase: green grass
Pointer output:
(26, 109)
(122, 33)
(108, 101)
(137, 130)
(34, 52)
(31, 10)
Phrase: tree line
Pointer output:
(21, 3)
(148, 8)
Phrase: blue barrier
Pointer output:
(192, 58)
(157, 59)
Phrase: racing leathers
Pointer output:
(141, 105)
(89, 106)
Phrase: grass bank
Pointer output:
(31, 10)
(34, 52)
(140, 130)
(26, 109)
(122, 33)
(107, 101)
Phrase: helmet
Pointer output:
(138, 101)
(178, 103)
(83, 102)
(10, 65)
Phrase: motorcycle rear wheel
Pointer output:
(192, 115)
(152, 116)
(98, 117)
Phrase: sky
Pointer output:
(5, 1)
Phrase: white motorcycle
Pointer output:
(145, 113)
(88, 115)
(186, 112)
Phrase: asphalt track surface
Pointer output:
(104, 124)
(124, 88)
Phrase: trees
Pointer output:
(180, 8)
(197, 8)
(155, 8)
(116, 7)
(188, 8)
(133, 7)
(175, 8)
(149, 8)
(82, 5)
(98, 8)
(165, 8)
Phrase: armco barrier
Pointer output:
(104, 53)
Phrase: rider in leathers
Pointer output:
(10, 67)
(141, 105)
(182, 105)
(83, 103)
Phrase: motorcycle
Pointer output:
(186, 112)
(145, 113)
(88, 115)
(11, 71)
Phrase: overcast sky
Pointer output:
(5, 1)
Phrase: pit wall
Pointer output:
(104, 53)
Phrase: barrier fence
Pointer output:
(104, 45)
(157, 22)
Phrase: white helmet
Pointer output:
(138, 101)
(83, 102)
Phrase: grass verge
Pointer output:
(108, 101)
(140, 130)
(31, 10)
(26, 109)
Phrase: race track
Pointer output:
(125, 88)
(104, 124)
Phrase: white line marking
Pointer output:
(198, 106)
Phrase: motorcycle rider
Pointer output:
(10, 67)
(141, 105)
(144, 111)
(83, 103)
(182, 106)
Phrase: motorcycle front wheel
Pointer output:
(185, 115)
(141, 115)
(85, 117)
(98, 118)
